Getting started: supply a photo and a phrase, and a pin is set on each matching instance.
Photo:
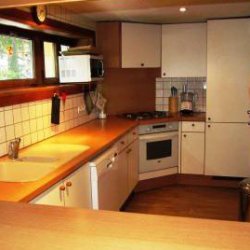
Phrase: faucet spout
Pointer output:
(14, 148)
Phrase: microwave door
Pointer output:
(97, 70)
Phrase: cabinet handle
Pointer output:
(142, 64)
(68, 183)
(129, 151)
(62, 188)
(164, 74)
(109, 165)
(248, 112)
(185, 135)
(209, 118)
(209, 126)
(193, 125)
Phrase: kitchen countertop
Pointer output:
(26, 226)
(97, 135)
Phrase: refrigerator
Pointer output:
(228, 101)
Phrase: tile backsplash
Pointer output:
(197, 85)
(31, 121)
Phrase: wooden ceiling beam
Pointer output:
(98, 5)
(4, 4)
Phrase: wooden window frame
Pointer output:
(38, 56)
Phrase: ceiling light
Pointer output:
(183, 9)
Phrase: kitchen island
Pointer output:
(26, 226)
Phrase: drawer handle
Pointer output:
(129, 151)
(193, 125)
(68, 183)
(62, 188)
(142, 64)
(209, 126)
(209, 118)
(185, 135)
(110, 165)
(122, 142)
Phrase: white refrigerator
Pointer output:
(228, 100)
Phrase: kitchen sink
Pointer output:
(20, 171)
(38, 161)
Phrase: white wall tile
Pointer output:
(2, 120)
(18, 130)
(25, 113)
(32, 121)
(8, 117)
(2, 135)
(10, 132)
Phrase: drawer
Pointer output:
(193, 126)
(132, 135)
(122, 143)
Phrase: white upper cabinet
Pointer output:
(184, 50)
(228, 70)
(141, 45)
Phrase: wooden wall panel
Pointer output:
(130, 90)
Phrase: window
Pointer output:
(16, 58)
(49, 59)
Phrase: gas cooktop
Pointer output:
(145, 115)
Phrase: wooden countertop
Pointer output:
(98, 135)
(26, 226)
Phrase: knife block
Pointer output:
(173, 104)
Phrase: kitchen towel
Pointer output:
(55, 109)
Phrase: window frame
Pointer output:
(37, 39)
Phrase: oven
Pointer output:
(158, 147)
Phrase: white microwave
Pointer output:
(80, 68)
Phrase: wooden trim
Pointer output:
(50, 26)
(28, 94)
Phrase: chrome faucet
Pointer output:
(14, 148)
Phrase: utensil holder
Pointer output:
(173, 104)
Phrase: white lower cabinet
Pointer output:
(73, 191)
(192, 148)
(227, 149)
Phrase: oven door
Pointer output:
(158, 151)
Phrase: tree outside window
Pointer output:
(16, 58)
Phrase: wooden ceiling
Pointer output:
(84, 6)
(121, 5)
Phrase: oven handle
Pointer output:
(157, 136)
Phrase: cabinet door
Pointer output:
(228, 70)
(184, 50)
(141, 45)
(78, 188)
(54, 196)
(227, 149)
(133, 165)
(192, 153)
